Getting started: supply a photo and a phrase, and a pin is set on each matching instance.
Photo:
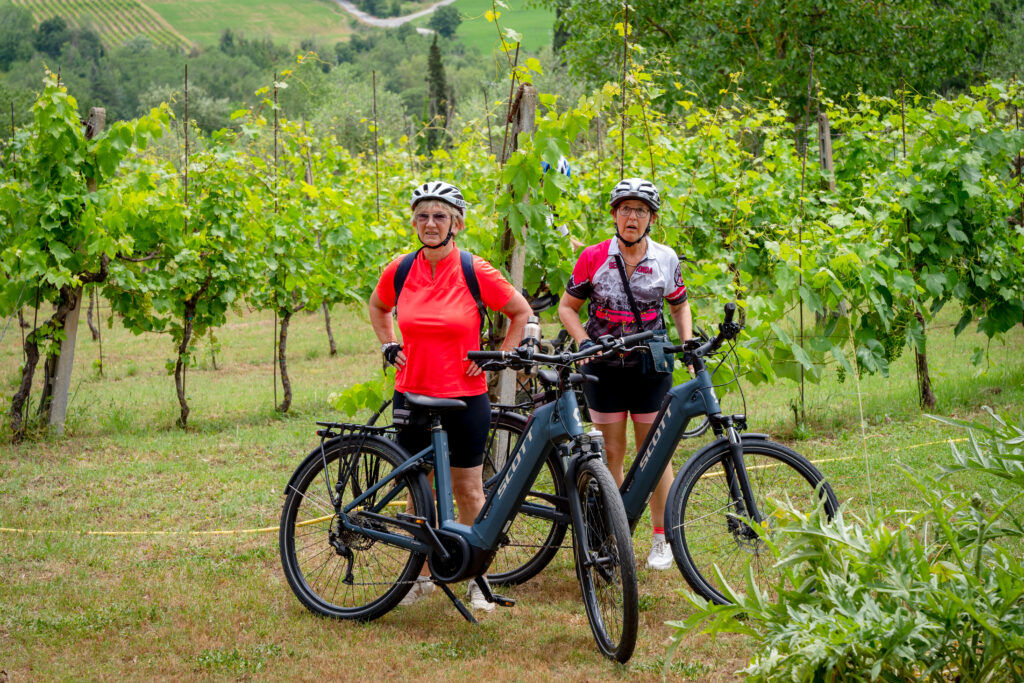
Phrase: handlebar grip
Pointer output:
(730, 309)
(636, 337)
(486, 355)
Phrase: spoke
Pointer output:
(326, 507)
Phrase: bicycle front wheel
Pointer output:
(335, 571)
(607, 573)
(706, 528)
(533, 540)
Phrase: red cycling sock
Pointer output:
(659, 530)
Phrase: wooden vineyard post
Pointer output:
(523, 119)
(825, 153)
(62, 376)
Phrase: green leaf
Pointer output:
(935, 283)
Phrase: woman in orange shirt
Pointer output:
(440, 323)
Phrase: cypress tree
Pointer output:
(437, 97)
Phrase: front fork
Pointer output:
(588, 448)
(736, 474)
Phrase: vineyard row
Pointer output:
(116, 21)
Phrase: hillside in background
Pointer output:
(115, 21)
(285, 21)
(187, 23)
(535, 25)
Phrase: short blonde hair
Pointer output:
(458, 222)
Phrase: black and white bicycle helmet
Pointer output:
(439, 189)
(636, 188)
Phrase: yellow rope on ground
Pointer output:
(319, 520)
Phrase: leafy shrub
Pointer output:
(933, 595)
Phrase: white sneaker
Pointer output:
(660, 557)
(421, 588)
(476, 598)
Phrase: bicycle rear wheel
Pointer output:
(337, 572)
(607, 574)
(705, 530)
(532, 541)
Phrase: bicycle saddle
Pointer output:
(437, 405)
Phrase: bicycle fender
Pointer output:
(316, 454)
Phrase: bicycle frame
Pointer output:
(550, 425)
(683, 402)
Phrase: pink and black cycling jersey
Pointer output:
(596, 278)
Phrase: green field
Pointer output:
(171, 600)
(290, 22)
(535, 25)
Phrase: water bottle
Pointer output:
(531, 333)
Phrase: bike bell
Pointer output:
(531, 333)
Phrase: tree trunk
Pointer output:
(66, 303)
(924, 380)
(282, 361)
(180, 367)
(17, 413)
(330, 332)
(88, 316)
(49, 374)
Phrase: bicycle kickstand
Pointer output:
(458, 603)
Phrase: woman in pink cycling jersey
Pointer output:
(654, 276)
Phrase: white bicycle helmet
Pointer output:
(439, 189)
(636, 188)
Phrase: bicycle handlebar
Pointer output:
(726, 331)
(523, 356)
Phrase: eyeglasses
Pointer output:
(640, 212)
(439, 218)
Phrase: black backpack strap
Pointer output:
(469, 272)
(402, 272)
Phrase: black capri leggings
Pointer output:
(467, 430)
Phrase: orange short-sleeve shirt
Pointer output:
(439, 322)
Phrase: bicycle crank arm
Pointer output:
(490, 596)
(421, 531)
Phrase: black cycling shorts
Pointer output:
(467, 430)
(624, 389)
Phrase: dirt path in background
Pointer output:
(390, 22)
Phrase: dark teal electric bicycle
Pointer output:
(720, 506)
(359, 519)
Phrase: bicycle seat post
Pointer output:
(442, 472)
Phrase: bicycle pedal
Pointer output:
(502, 601)
(405, 517)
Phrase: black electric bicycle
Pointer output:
(719, 499)
(358, 520)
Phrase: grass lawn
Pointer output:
(174, 601)
(203, 21)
